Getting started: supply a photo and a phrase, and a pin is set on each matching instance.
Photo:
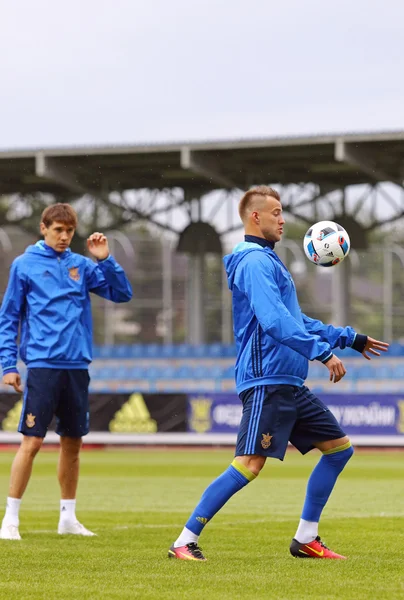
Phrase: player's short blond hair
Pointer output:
(254, 194)
(61, 213)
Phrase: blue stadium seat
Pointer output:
(216, 350)
(93, 372)
(228, 373)
(136, 351)
(217, 371)
(105, 351)
(121, 351)
(167, 351)
(167, 372)
(183, 351)
(366, 372)
(201, 372)
(96, 352)
(229, 350)
(345, 353)
(121, 373)
(396, 349)
(152, 350)
(135, 372)
(152, 372)
(352, 371)
(200, 351)
(316, 370)
(398, 371)
(384, 372)
(350, 353)
(183, 372)
(105, 373)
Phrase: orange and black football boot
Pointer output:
(315, 549)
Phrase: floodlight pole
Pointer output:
(5, 241)
(388, 283)
(167, 257)
(196, 333)
(109, 307)
(227, 321)
(341, 293)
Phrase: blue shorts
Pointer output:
(273, 415)
(56, 392)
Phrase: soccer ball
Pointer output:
(326, 243)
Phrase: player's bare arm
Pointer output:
(13, 379)
(97, 245)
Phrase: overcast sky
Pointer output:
(128, 71)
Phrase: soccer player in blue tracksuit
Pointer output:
(48, 297)
(275, 341)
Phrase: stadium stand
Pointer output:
(210, 368)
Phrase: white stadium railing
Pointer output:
(101, 438)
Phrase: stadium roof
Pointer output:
(334, 160)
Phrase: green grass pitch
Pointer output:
(138, 500)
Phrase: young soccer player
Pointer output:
(48, 297)
(275, 341)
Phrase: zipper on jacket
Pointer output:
(60, 270)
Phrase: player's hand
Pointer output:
(97, 245)
(13, 379)
(374, 347)
(336, 368)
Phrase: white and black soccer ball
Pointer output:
(326, 243)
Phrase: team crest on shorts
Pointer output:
(30, 420)
(266, 440)
(74, 273)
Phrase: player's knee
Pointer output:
(253, 463)
(349, 453)
(71, 446)
(340, 458)
(258, 464)
(31, 445)
(343, 457)
(346, 454)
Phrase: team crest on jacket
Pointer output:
(30, 420)
(266, 440)
(74, 273)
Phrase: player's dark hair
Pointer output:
(60, 212)
(262, 191)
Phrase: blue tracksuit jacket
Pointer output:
(274, 339)
(48, 297)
